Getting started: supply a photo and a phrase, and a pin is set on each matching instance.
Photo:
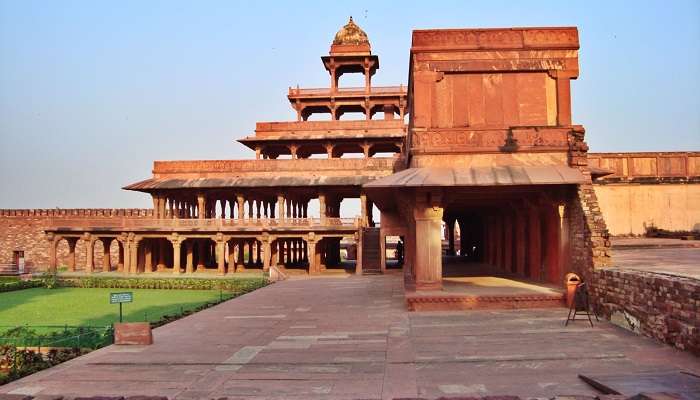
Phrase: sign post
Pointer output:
(119, 298)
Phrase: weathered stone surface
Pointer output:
(663, 307)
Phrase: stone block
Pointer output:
(133, 333)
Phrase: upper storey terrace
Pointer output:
(350, 53)
(380, 127)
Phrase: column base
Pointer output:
(430, 285)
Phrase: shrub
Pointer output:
(238, 285)
(19, 285)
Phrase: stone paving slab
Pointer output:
(352, 338)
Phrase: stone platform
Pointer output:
(352, 338)
(470, 286)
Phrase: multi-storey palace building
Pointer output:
(481, 137)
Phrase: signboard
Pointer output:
(121, 297)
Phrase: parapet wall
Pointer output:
(77, 212)
(23, 230)
(663, 307)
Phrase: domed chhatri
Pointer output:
(351, 34)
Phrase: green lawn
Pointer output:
(78, 306)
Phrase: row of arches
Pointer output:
(193, 254)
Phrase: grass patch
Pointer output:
(79, 306)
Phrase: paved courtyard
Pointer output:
(350, 338)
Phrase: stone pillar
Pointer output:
(176, 241)
(358, 252)
(368, 77)
(106, 254)
(148, 256)
(322, 207)
(126, 269)
(71, 253)
(220, 259)
(329, 150)
(89, 253)
(200, 254)
(315, 260)
(231, 257)
(241, 206)
(280, 206)
(201, 206)
(428, 247)
(498, 242)
(508, 242)
(266, 252)
(551, 249)
(161, 255)
(520, 242)
(534, 260)
(121, 251)
(133, 259)
(155, 205)
(564, 244)
(239, 266)
(53, 259)
(363, 209)
(189, 257)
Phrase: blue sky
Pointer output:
(92, 92)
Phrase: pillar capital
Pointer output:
(175, 239)
(312, 238)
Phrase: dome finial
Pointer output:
(351, 34)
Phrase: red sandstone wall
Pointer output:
(24, 230)
(663, 307)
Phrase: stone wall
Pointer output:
(630, 208)
(24, 230)
(589, 239)
(664, 307)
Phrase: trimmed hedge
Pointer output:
(19, 285)
(234, 285)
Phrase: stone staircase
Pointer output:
(371, 251)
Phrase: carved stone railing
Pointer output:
(394, 127)
(350, 91)
(213, 224)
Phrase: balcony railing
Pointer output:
(194, 223)
(349, 91)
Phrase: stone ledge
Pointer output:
(436, 302)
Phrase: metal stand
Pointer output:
(580, 305)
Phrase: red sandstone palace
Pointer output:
(489, 146)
